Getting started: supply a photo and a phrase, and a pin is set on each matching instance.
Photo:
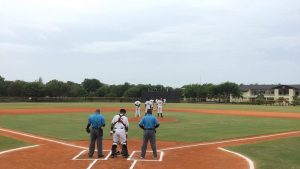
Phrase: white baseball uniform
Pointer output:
(119, 134)
(148, 105)
(137, 108)
(159, 106)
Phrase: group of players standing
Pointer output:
(150, 104)
(119, 129)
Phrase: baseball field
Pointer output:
(200, 136)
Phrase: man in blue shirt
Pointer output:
(95, 123)
(149, 123)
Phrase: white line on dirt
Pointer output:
(249, 161)
(18, 149)
(155, 160)
(229, 141)
(131, 155)
(133, 164)
(161, 156)
(92, 164)
(108, 155)
(42, 138)
(75, 158)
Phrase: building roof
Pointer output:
(264, 87)
(295, 86)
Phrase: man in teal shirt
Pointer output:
(95, 123)
(149, 123)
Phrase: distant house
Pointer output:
(269, 92)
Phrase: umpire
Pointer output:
(149, 123)
(94, 127)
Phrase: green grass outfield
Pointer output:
(189, 127)
(262, 108)
(276, 154)
(8, 143)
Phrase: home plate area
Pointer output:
(83, 155)
(134, 157)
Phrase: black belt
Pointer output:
(96, 128)
(149, 129)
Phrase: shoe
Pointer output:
(142, 157)
(155, 158)
(126, 156)
(113, 156)
(100, 156)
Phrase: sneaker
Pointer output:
(142, 157)
(126, 156)
(90, 156)
(113, 156)
(155, 158)
(100, 156)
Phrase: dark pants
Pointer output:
(149, 135)
(96, 134)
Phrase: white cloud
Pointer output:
(216, 39)
(11, 48)
(7, 33)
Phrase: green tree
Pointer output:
(75, 90)
(133, 92)
(115, 91)
(56, 88)
(34, 89)
(2, 86)
(16, 88)
(91, 85)
(227, 89)
(103, 91)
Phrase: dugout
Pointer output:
(173, 96)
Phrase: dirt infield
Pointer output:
(60, 155)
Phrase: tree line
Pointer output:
(96, 88)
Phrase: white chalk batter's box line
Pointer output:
(91, 159)
(161, 155)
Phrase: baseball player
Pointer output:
(149, 124)
(148, 106)
(119, 130)
(96, 122)
(160, 107)
(137, 105)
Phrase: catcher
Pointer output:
(119, 130)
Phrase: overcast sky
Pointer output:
(167, 42)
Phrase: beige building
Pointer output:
(269, 92)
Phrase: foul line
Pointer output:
(75, 158)
(250, 162)
(133, 164)
(92, 164)
(42, 138)
(229, 141)
(18, 149)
